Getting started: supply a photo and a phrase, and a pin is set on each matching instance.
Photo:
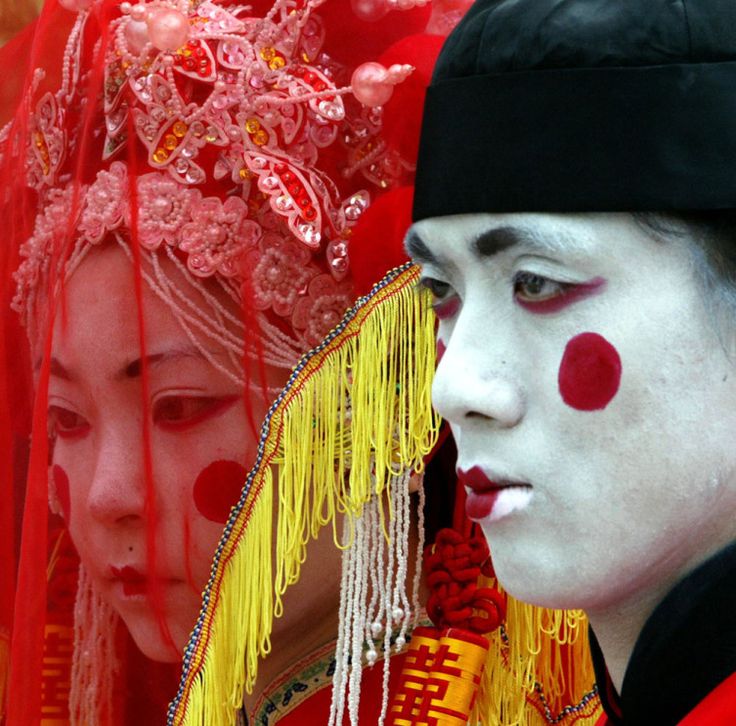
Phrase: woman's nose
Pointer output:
(476, 380)
(117, 494)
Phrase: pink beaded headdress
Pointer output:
(232, 142)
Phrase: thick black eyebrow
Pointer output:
(498, 239)
(418, 250)
(133, 370)
(484, 245)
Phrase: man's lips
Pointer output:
(485, 492)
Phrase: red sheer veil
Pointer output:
(182, 185)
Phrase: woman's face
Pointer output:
(592, 401)
(200, 447)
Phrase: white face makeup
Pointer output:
(592, 402)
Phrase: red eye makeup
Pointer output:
(529, 293)
(446, 303)
(66, 424)
(175, 413)
(446, 309)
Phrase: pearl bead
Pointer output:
(75, 6)
(125, 8)
(400, 643)
(369, 10)
(168, 29)
(136, 34)
(369, 84)
(376, 629)
(397, 613)
(162, 205)
(138, 12)
(371, 656)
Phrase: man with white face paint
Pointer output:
(574, 219)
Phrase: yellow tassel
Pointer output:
(355, 411)
(539, 657)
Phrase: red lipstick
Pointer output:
(134, 582)
(484, 492)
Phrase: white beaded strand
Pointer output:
(340, 674)
(94, 663)
(402, 606)
(375, 558)
(419, 557)
(359, 552)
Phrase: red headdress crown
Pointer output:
(232, 142)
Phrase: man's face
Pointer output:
(591, 398)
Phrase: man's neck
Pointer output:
(617, 630)
(618, 625)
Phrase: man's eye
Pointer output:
(439, 289)
(445, 300)
(183, 411)
(65, 423)
(529, 287)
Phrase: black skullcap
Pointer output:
(582, 105)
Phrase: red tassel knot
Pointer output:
(453, 566)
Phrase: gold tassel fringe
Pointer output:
(538, 671)
(355, 412)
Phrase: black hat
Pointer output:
(582, 105)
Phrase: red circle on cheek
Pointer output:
(217, 489)
(590, 372)
(61, 483)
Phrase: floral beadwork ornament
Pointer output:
(281, 273)
(233, 119)
(217, 235)
(322, 308)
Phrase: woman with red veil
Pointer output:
(203, 412)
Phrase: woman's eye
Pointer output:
(65, 423)
(532, 288)
(175, 412)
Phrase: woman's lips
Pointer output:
(491, 500)
(133, 581)
(136, 583)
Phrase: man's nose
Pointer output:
(477, 377)
(117, 494)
